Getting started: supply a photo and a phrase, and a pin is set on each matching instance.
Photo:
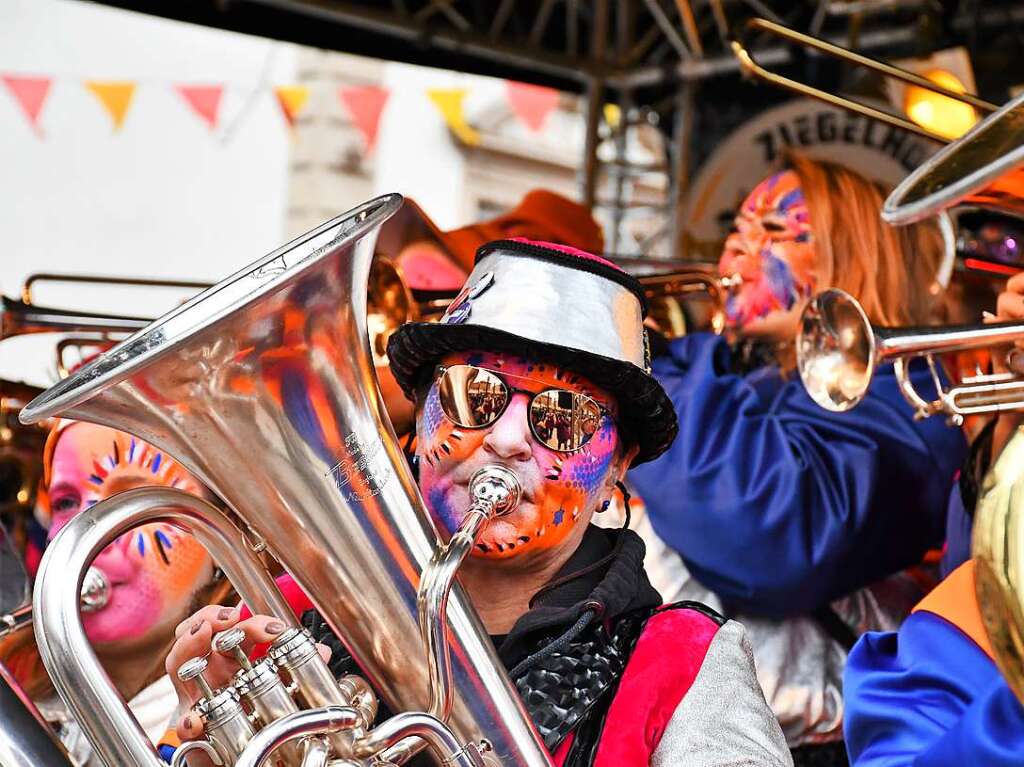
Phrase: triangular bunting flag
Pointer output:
(30, 93)
(204, 100)
(612, 115)
(292, 99)
(365, 106)
(449, 103)
(531, 103)
(115, 97)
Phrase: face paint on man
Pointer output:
(561, 489)
(771, 249)
(152, 570)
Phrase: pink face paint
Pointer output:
(560, 489)
(153, 570)
(772, 249)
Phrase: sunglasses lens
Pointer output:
(471, 397)
(564, 420)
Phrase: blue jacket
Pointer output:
(929, 696)
(780, 506)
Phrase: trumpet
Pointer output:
(665, 293)
(838, 351)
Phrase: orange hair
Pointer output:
(890, 270)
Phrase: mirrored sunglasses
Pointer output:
(473, 397)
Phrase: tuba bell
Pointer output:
(270, 372)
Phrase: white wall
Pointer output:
(161, 197)
(416, 153)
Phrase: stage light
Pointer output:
(940, 114)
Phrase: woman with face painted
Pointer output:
(151, 577)
(772, 508)
(543, 335)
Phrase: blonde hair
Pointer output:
(890, 270)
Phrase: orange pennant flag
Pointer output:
(115, 97)
(531, 103)
(30, 93)
(204, 100)
(449, 103)
(292, 99)
(365, 105)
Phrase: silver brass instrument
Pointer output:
(271, 369)
(983, 169)
(27, 738)
(95, 595)
(838, 350)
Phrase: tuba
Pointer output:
(269, 372)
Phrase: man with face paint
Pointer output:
(544, 335)
(772, 508)
(154, 575)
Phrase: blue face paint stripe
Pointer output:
(95, 480)
(790, 199)
(131, 451)
(141, 540)
(156, 463)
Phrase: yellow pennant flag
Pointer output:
(449, 102)
(115, 97)
(612, 115)
(292, 99)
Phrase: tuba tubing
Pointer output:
(77, 674)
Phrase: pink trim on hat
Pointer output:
(569, 251)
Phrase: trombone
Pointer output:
(973, 180)
(750, 67)
(838, 351)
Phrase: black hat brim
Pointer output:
(646, 412)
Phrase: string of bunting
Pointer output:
(364, 104)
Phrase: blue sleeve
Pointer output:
(959, 526)
(780, 506)
(929, 697)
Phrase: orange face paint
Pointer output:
(153, 570)
(561, 489)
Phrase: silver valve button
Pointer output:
(229, 642)
(192, 671)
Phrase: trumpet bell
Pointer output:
(984, 168)
(835, 350)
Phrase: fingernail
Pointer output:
(187, 724)
(988, 315)
(195, 628)
(275, 627)
(224, 613)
